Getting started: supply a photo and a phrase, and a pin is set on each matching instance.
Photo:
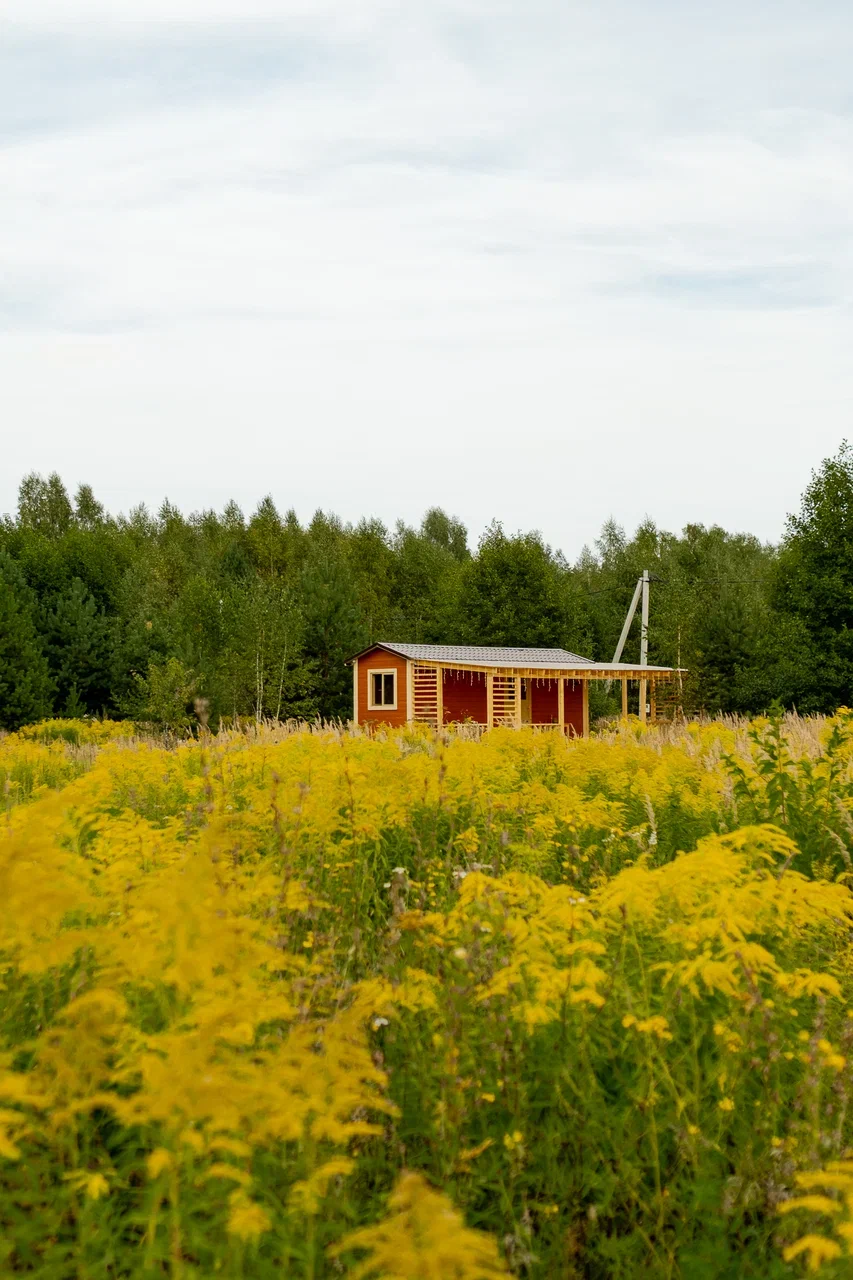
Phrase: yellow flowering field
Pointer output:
(313, 1003)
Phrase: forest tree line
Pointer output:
(146, 616)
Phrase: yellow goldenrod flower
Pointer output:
(423, 1235)
(246, 1219)
(158, 1162)
(94, 1185)
(818, 1250)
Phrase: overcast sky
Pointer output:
(543, 261)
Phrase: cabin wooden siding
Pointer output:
(464, 697)
(544, 708)
(381, 660)
(573, 707)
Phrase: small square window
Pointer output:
(383, 690)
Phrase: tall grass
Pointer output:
(310, 1002)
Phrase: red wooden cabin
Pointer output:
(398, 684)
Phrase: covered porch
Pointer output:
(516, 697)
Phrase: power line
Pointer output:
(690, 582)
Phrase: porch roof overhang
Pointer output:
(589, 671)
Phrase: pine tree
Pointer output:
(25, 684)
(265, 537)
(77, 641)
(815, 577)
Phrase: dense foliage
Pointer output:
(313, 1003)
(141, 615)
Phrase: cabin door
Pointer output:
(526, 701)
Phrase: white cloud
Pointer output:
(542, 262)
(67, 14)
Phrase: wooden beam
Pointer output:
(585, 688)
(643, 693)
(653, 700)
(355, 691)
(518, 702)
(561, 703)
(439, 696)
(555, 673)
(490, 700)
(629, 618)
(410, 692)
(624, 697)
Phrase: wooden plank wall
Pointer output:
(573, 701)
(544, 703)
(464, 696)
(381, 660)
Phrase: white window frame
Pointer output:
(382, 671)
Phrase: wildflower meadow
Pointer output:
(304, 1002)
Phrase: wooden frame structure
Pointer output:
(431, 685)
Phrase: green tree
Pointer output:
(163, 697)
(263, 672)
(446, 532)
(334, 629)
(784, 669)
(724, 644)
(236, 560)
(516, 592)
(44, 505)
(373, 560)
(814, 583)
(710, 609)
(26, 690)
(425, 583)
(88, 512)
(271, 539)
(77, 636)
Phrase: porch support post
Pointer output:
(490, 700)
(644, 644)
(585, 688)
(355, 691)
(561, 703)
(439, 695)
(518, 702)
(653, 699)
(410, 692)
(624, 697)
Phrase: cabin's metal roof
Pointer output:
(487, 655)
(493, 656)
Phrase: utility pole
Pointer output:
(641, 593)
(644, 640)
(629, 616)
